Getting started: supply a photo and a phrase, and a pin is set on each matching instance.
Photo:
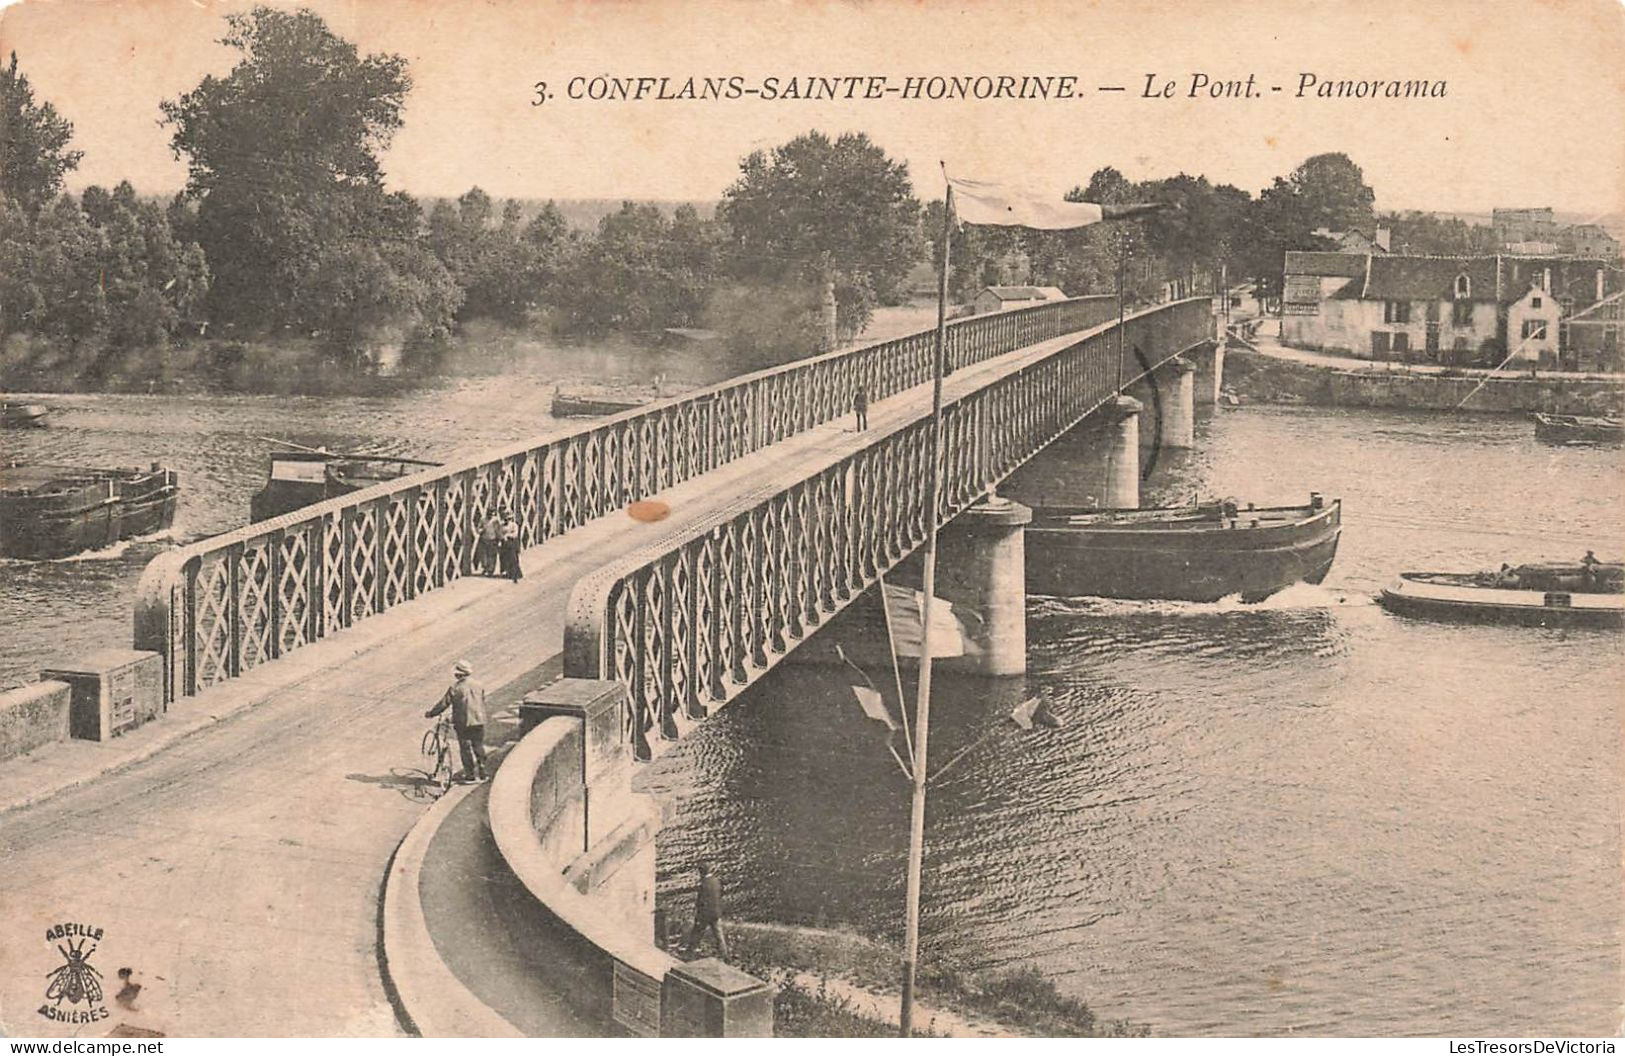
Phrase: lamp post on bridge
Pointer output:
(985, 204)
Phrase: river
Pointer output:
(1303, 817)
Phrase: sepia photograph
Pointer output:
(812, 518)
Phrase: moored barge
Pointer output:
(1201, 552)
(55, 511)
(299, 478)
(1578, 429)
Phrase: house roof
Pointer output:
(1325, 263)
(1408, 278)
(1026, 293)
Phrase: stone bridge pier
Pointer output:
(982, 570)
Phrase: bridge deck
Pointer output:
(238, 870)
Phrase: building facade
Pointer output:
(1006, 298)
(1460, 311)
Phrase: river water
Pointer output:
(1301, 817)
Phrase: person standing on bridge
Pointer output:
(509, 548)
(466, 699)
(860, 404)
(487, 559)
(707, 914)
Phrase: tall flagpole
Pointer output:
(916, 829)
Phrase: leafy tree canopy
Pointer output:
(34, 154)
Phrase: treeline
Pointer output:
(285, 256)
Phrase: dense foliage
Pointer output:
(286, 255)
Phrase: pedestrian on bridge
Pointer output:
(487, 558)
(707, 914)
(509, 548)
(466, 699)
(860, 404)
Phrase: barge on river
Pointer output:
(1578, 429)
(1543, 595)
(23, 415)
(299, 478)
(1201, 552)
(56, 511)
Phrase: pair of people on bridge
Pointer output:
(498, 550)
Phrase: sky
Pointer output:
(1533, 111)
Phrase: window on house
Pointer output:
(1379, 342)
(1534, 302)
(1396, 311)
(1461, 313)
(1402, 341)
(1464, 286)
(1534, 329)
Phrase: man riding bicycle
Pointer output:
(466, 699)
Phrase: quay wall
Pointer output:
(1253, 377)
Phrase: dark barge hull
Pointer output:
(47, 514)
(1180, 553)
(23, 415)
(300, 478)
(1578, 429)
(566, 406)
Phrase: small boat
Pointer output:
(23, 415)
(1578, 429)
(599, 402)
(55, 511)
(300, 477)
(1201, 552)
(1545, 595)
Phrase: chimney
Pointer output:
(1384, 236)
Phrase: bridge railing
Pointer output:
(224, 605)
(688, 622)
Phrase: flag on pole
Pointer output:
(904, 606)
(993, 204)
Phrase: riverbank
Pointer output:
(1261, 370)
(1255, 377)
(841, 984)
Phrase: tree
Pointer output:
(33, 143)
(836, 214)
(282, 159)
(1332, 193)
(641, 272)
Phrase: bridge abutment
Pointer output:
(982, 569)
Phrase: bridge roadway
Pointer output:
(238, 869)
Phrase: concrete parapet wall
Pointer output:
(34, 715)
(602, 951)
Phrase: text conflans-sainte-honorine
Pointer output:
(1036, 87)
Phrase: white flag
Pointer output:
(976, 202)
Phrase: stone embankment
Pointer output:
(1255, 377)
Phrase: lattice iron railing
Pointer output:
(689, 622)
(224, 605)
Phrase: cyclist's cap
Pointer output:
(463, 668)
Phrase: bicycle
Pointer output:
(438, 741)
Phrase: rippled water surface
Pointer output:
(1307, 816)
